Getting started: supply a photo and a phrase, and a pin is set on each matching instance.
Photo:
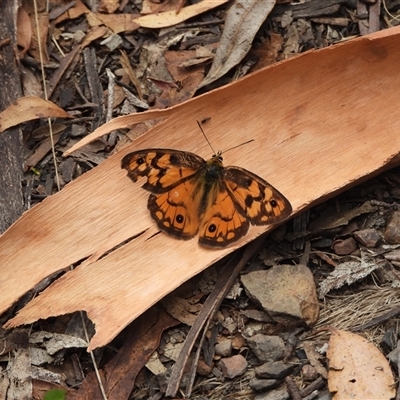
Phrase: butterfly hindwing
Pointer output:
(222, 224)
(164, 168)
(256, 199)
(176, 211)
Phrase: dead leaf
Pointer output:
(188, 79)
(24, 32)
(141, 341)
(314, 358)
(268, 53)
(153, 7)
(116, 22)
(357, 369)
(54, 342)
(184, 65)
(44, 147)
(126, 65)
(181, 309)
(44, 131)
(42, 389)
(333, 219)
(19, 370)
(28, 108)
(32, 85)
(108, 6)
(93, 34)
(72, 13)
(44, 24)
(243, 21)
(155, 365)
(348, 273)
(170, 18)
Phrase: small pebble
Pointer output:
(344, 247)
(260, 385)
(224, 348)
(267, 348)
(278, 394)
(392, 231)
(233, 366)
(368, 237)
(274, 370)
(309, 373)
(203, 369)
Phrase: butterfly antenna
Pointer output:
(239, 145)
(198, 123)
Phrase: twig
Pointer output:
(378, 320)
(318, 384)
(292, 388)
(210, 306)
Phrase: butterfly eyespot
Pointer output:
(212, 228)
(273, 203)
(179, 218)
(140, 160)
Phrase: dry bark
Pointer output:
(11, 199)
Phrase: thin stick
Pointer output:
(210, 306)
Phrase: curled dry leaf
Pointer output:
(357, 369)
(243, 21)
(54, 342)
(347, 273)
(24, 32)
(333, 219)
(28, 108)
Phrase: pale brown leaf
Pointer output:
(170, 18)
(28, 108)
(24, 32)
(243, 21)
(357, 369)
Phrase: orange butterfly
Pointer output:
(190, 195)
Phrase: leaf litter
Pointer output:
(355, 296)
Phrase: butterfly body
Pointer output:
(190, 195)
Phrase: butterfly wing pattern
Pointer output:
(190, 195)
(259, 201)
(171, 175)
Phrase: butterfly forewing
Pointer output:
(164, 168)
(257, 200)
